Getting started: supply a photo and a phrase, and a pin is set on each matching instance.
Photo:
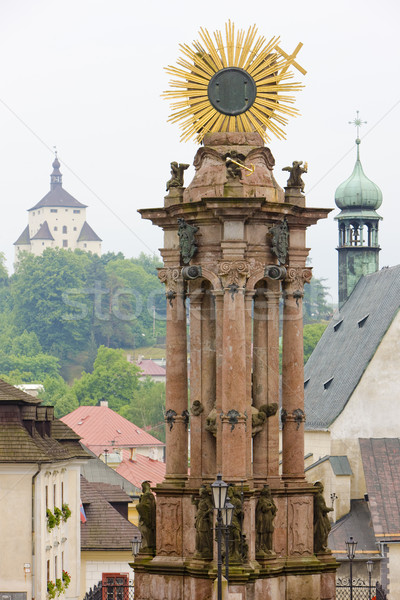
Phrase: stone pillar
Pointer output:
(197, 409)
(234, 275)
(260, 384)
(292, 414)
(208, 383)
(176, 400)
(273, 296)
(219, 311)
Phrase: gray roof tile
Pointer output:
(344, 352)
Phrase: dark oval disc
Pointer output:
(232, 91)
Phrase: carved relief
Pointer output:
(280, 240)
(169, 539)
(298, 276)
(170, 277)
(234, 273)
(300, 517)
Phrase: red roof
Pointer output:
(141, 469)
(100, 428)
(150, 368)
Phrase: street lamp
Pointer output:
(370, 566)
(351, 545)
(136, 543)
(227, 515)
(219, 491)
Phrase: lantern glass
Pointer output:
(370, 566)
(351, 545)
(219, 491)
(136, 543)
(227, 513)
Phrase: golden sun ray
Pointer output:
(237, 82)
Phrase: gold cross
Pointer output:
(290, 58)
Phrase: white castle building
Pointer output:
(57, 221)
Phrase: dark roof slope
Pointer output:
(58, 197)
(381, 462)
(87, 234)
(347, 346)
(24, 238)
(105, 528)
(358, 524)
(10, 395)
(43, 233)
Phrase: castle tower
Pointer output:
(234, 249)
(58, 220)
(358, 223)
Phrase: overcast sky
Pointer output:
(86, 76)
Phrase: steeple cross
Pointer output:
(358, 123)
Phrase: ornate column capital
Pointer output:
(295, 279)
(233, 274)
(171, 277)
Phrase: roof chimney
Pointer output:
(104, 403)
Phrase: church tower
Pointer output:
(358, 198)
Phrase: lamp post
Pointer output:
(351, 545)
(219, 490)
(227, 515)
(370, 566)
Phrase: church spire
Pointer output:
(358, 198)
(56, 176)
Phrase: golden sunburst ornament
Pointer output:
(240, 84)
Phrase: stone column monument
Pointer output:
(234, 253)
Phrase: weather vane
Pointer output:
(358, 123)
(55, 150)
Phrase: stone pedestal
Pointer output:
(233, 415)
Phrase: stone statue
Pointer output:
(259, 417)
(265, 514)
(296, 171)
(204, 524)
(176, 175)
(197, 408)
(211, 422)
(236, 546)
(233, 170)
(187, 241)
(322, 524)
(146, 508)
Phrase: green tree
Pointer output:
(147, 407)
(311, 335)
(49, 299)
(59, 394)
(317, 302)
(113, 379)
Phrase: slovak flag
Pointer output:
(83, 516)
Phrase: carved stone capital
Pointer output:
(234, 273)
(296, 277)
(170, 276)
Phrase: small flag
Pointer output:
(83, 515)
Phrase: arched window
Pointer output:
(64, 229)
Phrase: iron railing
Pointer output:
(107, 591)
(361, 590)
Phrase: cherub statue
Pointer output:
(176, 175)
(296, 171)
